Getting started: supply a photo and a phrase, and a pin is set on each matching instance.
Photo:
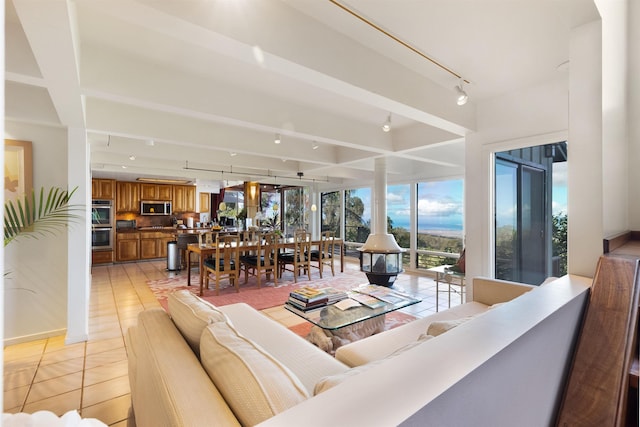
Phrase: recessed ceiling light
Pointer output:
(315, 145)
(123, 167)
(132, 157)
(277, 140)
(150, 142)
(233, 154)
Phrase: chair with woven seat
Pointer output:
(224, 263)
(265, 260)
(298, 258)
(324, 254)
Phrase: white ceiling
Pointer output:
(205, 78)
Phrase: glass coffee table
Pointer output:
(341, 326)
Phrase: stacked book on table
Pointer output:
(308, 298)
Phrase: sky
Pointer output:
(440, 203)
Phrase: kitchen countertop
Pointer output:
(166, 230)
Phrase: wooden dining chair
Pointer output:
(298, 258)
(324, 254)
(224, 263)
(248, 239)
(265, 260)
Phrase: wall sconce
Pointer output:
(314, 207)
(222, 206)
(252, 190)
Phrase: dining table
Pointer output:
(204, 250)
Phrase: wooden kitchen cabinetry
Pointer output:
(127, 246)
(154, 244)
(205, 202)
(127, 197)
(160, 192)
(103, 189)
(101, 257)
(184, 198)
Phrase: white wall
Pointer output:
(633, 114)
(615, 167)
(35, 302)
(536, 115)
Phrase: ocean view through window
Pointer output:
(440, 222)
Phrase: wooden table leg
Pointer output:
(342, 258)
(188, 266)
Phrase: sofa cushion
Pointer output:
(191, 315)
(333, 380)
(254, 384)
(308, 363)
(441, 326)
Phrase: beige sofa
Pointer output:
(231, 365)
(487, 293)
(168, 365)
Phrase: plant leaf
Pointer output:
(33, 218)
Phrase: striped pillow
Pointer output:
(255, 385)
(191, 315)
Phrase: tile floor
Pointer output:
(92, 376)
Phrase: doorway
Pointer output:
(523, 212)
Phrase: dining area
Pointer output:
(238, 255)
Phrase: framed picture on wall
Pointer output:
(18, 172)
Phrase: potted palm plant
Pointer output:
(37, 216)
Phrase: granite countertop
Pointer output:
(164, 230)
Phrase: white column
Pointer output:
(585, 183)
(380, 196)
(79, 246)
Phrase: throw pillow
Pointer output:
(254, 384)
(441, 326)
(191, 315)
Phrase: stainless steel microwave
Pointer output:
(155, 208)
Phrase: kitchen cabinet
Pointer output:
(154, 244)
(127, 197)
(103, 189)
(127, 246)
(161, 192)
(101, 257)
(205, 202)
(184, 198)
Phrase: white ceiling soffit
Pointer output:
(207, 79)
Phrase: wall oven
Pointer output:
(102, 238)
(102, 213)
(102, 224)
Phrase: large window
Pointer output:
(296, 210)
(270, 204)
(330, 212)
(440, 222)
(357, 214)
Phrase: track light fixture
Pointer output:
(462, 95)
(277, 140)
(386, 126)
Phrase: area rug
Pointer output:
(268, 295)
